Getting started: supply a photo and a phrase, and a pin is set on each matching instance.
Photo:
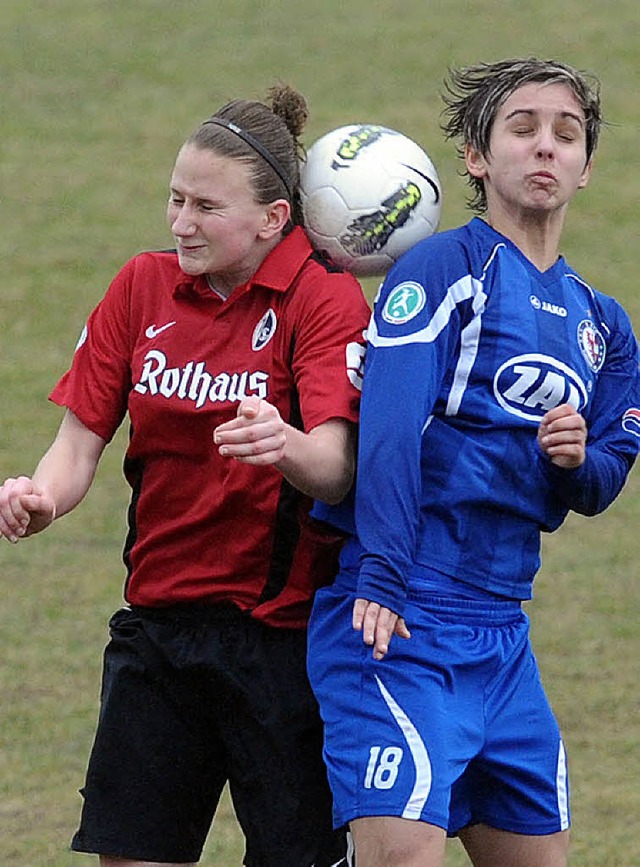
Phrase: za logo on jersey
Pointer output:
(264, 330)
(591, 344)
(530, 385)
(404, 302)
(631, 421)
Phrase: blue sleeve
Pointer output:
(339, 516)
(413, 333)
(613, 429)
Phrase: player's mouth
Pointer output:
(187, 250)
(544, 177)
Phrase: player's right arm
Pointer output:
(378, 625)
(412, 339)
(62, 478)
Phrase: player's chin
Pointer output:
(192, 271)
(192, 264)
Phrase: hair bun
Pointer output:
(289, 105)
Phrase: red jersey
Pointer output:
(165, 348)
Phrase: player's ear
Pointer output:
(586, 174)
(475, 162)
(276, 216)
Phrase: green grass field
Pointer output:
(97, 97)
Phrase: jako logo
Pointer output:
(530, 385)
(547, 307)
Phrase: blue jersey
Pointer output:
(469, 346)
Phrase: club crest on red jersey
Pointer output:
(264, 330)
(591, 344)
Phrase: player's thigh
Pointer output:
(277, 776)
(522, 781)
(490, 847)
(389, 841)
(156, 769)
(387, 722)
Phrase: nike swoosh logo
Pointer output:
(152, 331)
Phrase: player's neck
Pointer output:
(221, 293)
(536, 234)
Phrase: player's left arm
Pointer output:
(588, 475)
(328, 320)
(319, 463)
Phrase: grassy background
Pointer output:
(97, 97)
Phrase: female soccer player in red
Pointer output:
(236, 357)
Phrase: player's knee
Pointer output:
(394, 842)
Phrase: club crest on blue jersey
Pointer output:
(631, 421)
(264, 331)
(404, 302)
(591, 344)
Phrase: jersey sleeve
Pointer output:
(96, 386)
(613, 426)
(329, 346)
(413, 335)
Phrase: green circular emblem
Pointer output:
(404, 302)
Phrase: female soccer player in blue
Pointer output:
(501, 391)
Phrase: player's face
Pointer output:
(537, 156)
(218, 227)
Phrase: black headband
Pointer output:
(255, 144)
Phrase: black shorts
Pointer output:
(193, 698)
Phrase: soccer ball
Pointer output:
(368, 193)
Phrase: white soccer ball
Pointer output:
(368, 193)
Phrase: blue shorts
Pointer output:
(452, 727)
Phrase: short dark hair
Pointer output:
(474, 94)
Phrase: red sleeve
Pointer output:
(332, 317)
(97, 385)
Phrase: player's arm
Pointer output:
(407, 358)
(319, 463)
(328, 324)
(590, 484)
(378, 625)
(60, 481)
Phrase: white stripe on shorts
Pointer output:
(422, 786)
(562, 787)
